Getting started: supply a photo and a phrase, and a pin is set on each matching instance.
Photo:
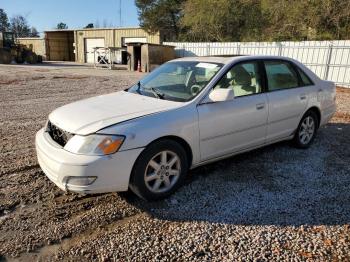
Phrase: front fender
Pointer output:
(180, 122)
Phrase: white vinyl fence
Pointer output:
(330, 60)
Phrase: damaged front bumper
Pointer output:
(82, 173)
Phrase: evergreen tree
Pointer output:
(61, 25)
(4, 21)
(160, 15)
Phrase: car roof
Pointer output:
(208, 59)
(228, 59)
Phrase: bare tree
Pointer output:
(19, 26)
(34, 32)
(104, 24)
(97, 24)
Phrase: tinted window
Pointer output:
(243, 78)
(280, 75)
(304, 78)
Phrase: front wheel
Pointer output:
(159, 170)
(306, 131)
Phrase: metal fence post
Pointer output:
(208, 49)
(183, 50)
(94, 58)
(238, 49)
(328, 62)
(280, 47)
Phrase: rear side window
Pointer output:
(305, 80)
(280, 75)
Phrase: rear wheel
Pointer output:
(159, 170)
(306, 131)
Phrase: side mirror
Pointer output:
(220, 95)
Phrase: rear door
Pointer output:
(90, 44)
(287, 97)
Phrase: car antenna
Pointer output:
(138, 87)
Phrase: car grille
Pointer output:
(58, 135)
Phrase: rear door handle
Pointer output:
(302, 97)
(260, 106)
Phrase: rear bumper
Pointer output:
(112, 172)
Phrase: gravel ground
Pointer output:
(275, 203)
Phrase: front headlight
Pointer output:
(95, 145)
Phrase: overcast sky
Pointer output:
(46, 14)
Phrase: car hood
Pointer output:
(90, 115)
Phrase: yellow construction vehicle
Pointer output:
(11, 52)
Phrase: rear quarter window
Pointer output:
(305, 80)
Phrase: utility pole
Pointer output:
(120, 13)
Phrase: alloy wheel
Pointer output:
(162, 171)
(307, 130)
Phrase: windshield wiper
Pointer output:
(157, 93)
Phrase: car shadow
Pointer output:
(275, 185)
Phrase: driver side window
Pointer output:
(243, 78)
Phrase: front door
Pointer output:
(232, 126)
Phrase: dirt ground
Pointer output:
(274, 203)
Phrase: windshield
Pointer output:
(177, 81)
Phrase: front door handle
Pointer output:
(260, 106)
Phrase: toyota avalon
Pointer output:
(186, 113)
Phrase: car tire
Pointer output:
(306, 131)
(160, 170)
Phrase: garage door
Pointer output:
(90, 44)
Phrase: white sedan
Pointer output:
(186, 113)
